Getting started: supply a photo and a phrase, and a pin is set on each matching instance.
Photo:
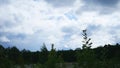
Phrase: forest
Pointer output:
(107, 56)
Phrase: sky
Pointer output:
(30, 23)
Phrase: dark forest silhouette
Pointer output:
(107, 56)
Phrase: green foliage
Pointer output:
(60, 59)
(43, 56)
(52, 58)
(60, 62)
(2, 51)
(38, 65)
(14, 54)
(5, 63)
(27, 56)
(21, 61)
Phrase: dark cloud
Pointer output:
(102, 6)
(60, 3)
(108, 3)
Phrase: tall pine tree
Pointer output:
(86, 57)
(52, 58)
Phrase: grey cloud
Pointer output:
(70, 30)
(102, 6)
(67, 29)
(6, 24)
(10, 22)
(61, 3)
(19, 36)
(114, 29)
(3, 2)
(5, 44)
(114, 32)
(92, 28)
(108, 3)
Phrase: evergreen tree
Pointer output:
(43, 54)
(60, 62)
(2, 52)
(86, 57)
(52, 58)
(104, 57)
(86, 41)
(14, 54)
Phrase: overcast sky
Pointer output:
(30, 23)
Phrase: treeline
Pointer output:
(13, 56)
(107, 56)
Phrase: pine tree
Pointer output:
(86, 41)
(52, 58)
(60, 62)
(104, 60)
(86, 57)
(43, 56)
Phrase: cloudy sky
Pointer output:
(30, 23)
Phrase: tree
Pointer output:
(27, 56)
(86, 41)
(86, 57)
(14, 54)
(52, 58)
(60, 62)
(5, 62)
(43, 57)
(2, 51)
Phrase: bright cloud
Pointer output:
(30, 23)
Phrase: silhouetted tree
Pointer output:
(2, 51)
(43, 56)
(86, 41)
(86, 57)
(27, 56)
(60, 62)
(52, 58)
(14, 54)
